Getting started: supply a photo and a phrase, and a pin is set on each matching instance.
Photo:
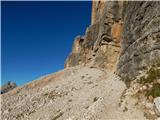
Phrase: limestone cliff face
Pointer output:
(123, 36)
(140, 38)
(101, 42)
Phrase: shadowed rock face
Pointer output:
(140, 38)
(123, 36)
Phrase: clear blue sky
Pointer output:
(37, 36)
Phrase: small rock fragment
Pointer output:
(157, 106)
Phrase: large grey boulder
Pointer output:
(157, 106)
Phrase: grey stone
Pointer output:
(157, 106)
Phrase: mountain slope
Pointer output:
(124, 39)
(75, 93)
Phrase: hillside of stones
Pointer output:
(76, 93)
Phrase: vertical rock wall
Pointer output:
(140, 38)
(101, 43)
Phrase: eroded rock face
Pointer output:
(140, 38)
(123, 36)
(101, 43)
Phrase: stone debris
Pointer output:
(68, 95)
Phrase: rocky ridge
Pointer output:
(7, 87)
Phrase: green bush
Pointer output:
(152, 74)
(45, 94)
(154, 91)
